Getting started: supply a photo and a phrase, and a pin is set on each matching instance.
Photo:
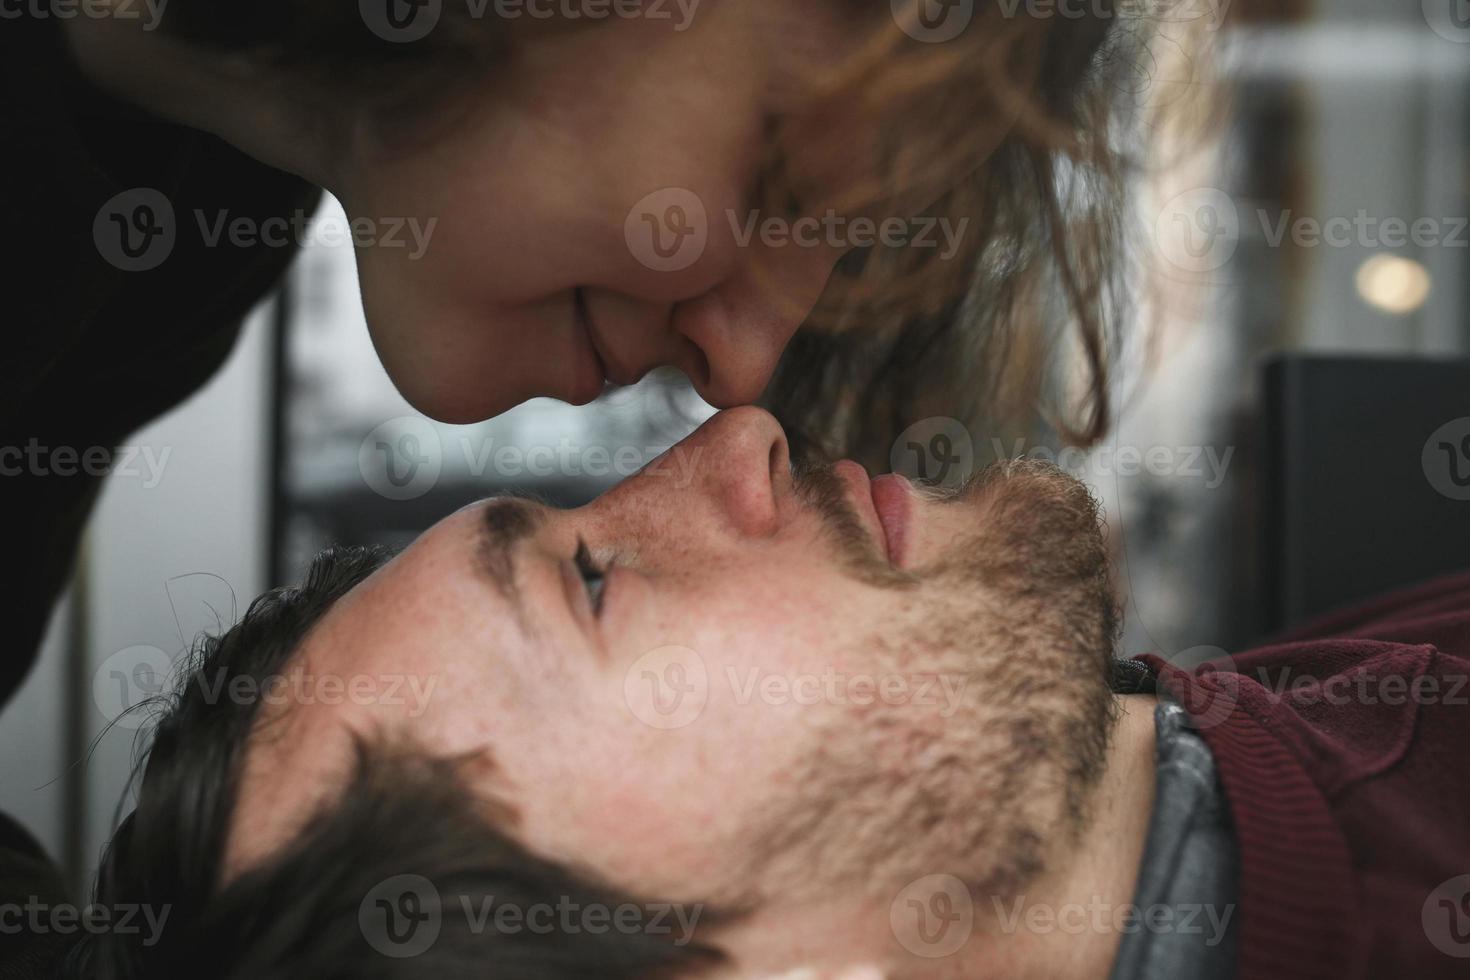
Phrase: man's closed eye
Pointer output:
(593, 576)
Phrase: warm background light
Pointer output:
(1393, 284)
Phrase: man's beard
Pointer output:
(1021, 620)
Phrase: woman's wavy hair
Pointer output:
(1018, 130)
(905, 334)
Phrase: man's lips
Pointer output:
(884, 505)
(894, 501)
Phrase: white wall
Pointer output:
(32, 731)
(174, 547)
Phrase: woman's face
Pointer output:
(588, 202)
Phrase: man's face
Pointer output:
(770, 669)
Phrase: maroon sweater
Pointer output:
(1344, 752)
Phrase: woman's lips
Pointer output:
(894, 501)
(614, 370)
(591, 373)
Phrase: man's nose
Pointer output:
(741, 465)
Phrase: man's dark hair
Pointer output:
(400, 875)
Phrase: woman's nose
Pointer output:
(742, 326)
(738, 352)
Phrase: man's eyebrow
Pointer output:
(504, 523)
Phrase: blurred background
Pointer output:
(1311, 297)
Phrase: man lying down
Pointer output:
(759, 725)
